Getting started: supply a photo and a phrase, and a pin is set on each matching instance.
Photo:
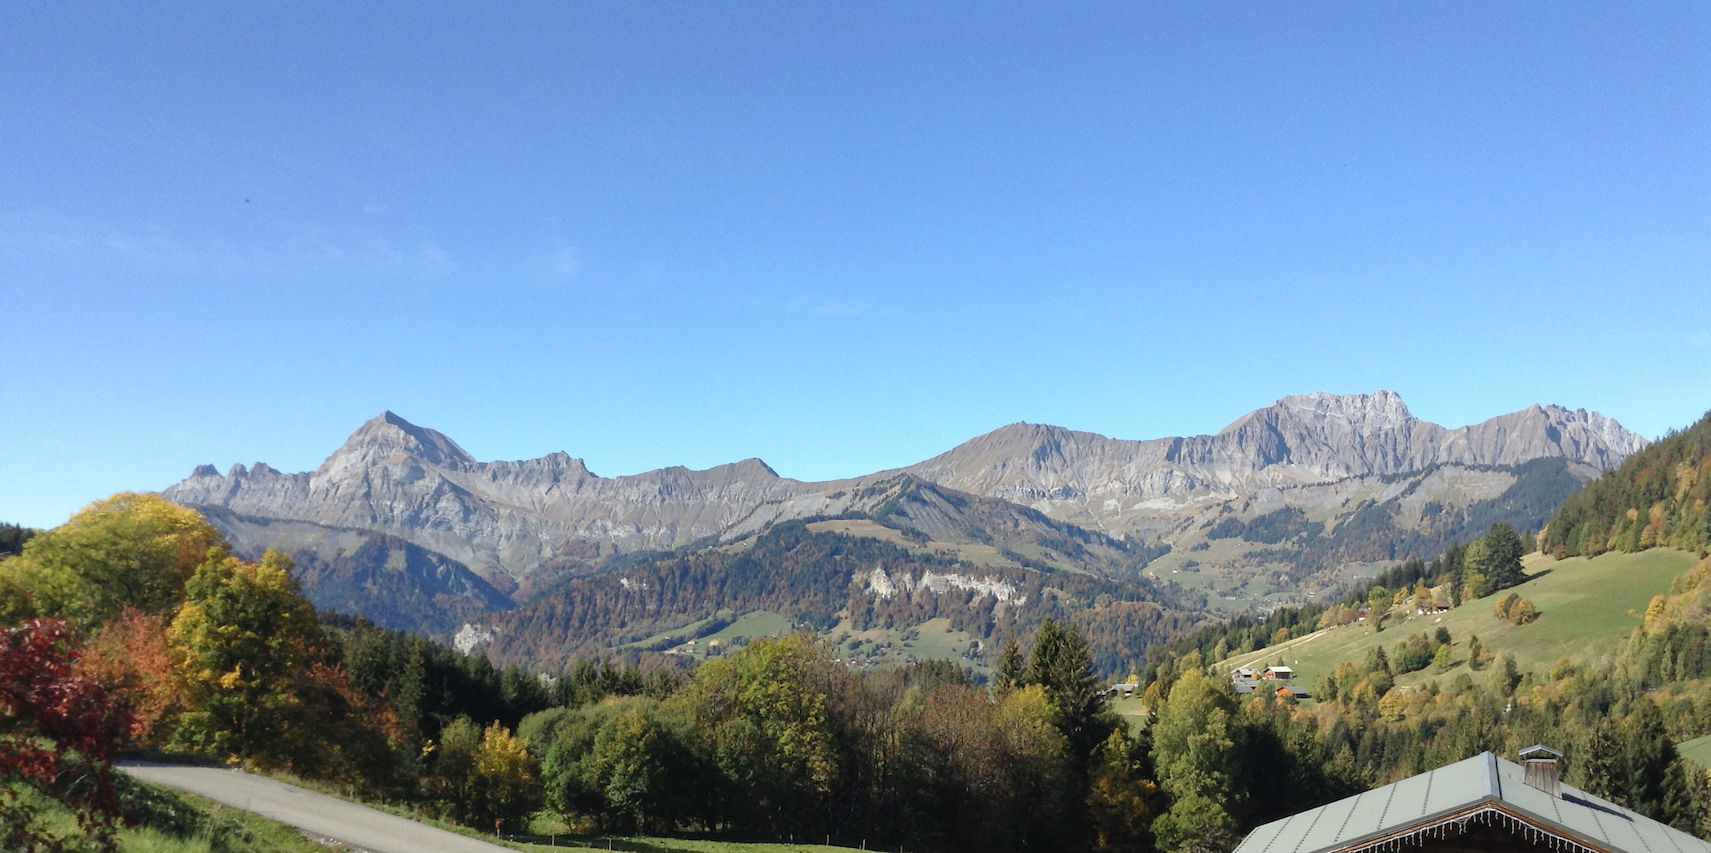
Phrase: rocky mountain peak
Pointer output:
(1379, 411)
(560, 460)
(386, 437)
(1038, 443)
(754, 467)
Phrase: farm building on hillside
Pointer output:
(1245, 679)
(1293, 691)
(1279, 673)
(1484, 803)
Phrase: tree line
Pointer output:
(1660, 496)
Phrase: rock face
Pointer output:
(504, 520)
(1295, 442)
(498, 518)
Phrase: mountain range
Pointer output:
(402, 525)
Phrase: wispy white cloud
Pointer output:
(552, 269)
(157, 249)
(417, 259)
(314, 250)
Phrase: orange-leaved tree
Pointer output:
(131, 657)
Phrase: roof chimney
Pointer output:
(1539, 769)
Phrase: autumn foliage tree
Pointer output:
(59, 732)
(483, 777)
(131, 549)
(764, 715)
(131, 657)
(244, 634)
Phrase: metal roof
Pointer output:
(1481, 789)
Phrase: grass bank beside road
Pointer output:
(176, 822)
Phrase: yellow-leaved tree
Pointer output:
(240, 641)
(130, 549)
(483, 776)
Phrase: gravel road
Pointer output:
(318, 815)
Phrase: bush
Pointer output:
(1522, 612)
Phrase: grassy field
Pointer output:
(1131, 710)
(1585, 608)
(933, 639)
(552, 833)
(1698, 750)
(653, 844)
(971, 552)
(755, 623)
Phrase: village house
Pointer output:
(1277, 673)
(1483, 803)
(1244, 679)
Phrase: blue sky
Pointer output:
(838, 236)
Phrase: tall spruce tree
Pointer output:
(1062, 663)
(1503, 550)
(1012, 668)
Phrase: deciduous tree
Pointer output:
(130, 655)
(240, 640)
(763, 715)
(59, 732)
(1194, 757)
(130, 549)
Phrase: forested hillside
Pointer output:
(1657, 497)
(817, 578)
(1373, 532)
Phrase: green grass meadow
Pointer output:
(1696, 750)
(549, 832)
(652, 844)
(1586, 607)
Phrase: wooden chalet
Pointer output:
(1482, 804)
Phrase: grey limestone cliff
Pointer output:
(505, 519)
(1296, 441)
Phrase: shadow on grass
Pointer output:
(655, 845)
